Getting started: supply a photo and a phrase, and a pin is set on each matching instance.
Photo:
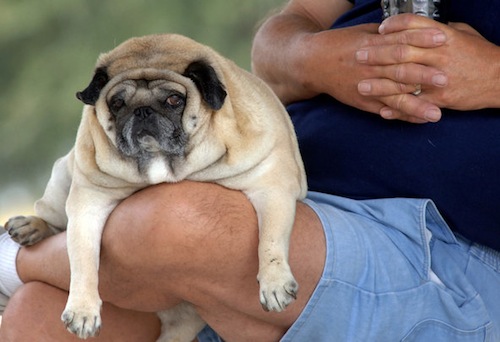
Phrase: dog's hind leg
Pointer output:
(180, 324)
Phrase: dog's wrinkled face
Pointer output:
(147, 117)
(149, 111)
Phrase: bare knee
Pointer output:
(26, 296)
(165, 219)
(33, 314)
(27, 315)
(163, 233)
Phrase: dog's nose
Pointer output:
(143, 112)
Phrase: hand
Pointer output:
(297, 54)
(329, 66)
(460, 71)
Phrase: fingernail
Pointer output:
(386, 113)
(381, 28)
(440, 80)
(364, 87)
(361, 56)
(432, 115)
(439, 38)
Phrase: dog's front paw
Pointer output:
(278, 287)
(27, 230)
(84, 322)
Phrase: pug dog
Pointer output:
(164, 108)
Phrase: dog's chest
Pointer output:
(159, 170)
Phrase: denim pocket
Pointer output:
(438, 331)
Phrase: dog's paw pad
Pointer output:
(82, 324)
(26, 230)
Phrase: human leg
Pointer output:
(204, 243)
(34, 310)
(189, 241)
(33, 313)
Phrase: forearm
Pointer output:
(281, 53)
(276, 56)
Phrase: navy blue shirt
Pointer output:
(455, 162)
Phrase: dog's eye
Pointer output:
(116, 104)
(174, 101)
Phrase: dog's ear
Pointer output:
(90, 94)
(207, 82)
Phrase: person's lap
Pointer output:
(198, 242)
(194, 242)
(35, 310)
(394, 271)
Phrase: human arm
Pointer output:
(296, 54)
(470, 62)
(282, 47)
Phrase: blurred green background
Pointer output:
(47, 53)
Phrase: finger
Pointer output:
(393, 114)
(410, 105)
(422, 37)
(396, 54)
(401, 79)
(408, 21)
(384, 87)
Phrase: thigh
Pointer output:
(198, 242)
(33, 314)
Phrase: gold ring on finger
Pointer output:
(418, 89)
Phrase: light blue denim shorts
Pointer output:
(395, 272)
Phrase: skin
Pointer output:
(44, 324)
(376, 69)
(198, 242)
(159, 252)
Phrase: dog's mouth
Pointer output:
(166, 138)
(147, 139)
(149, 129)
(147, 142)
